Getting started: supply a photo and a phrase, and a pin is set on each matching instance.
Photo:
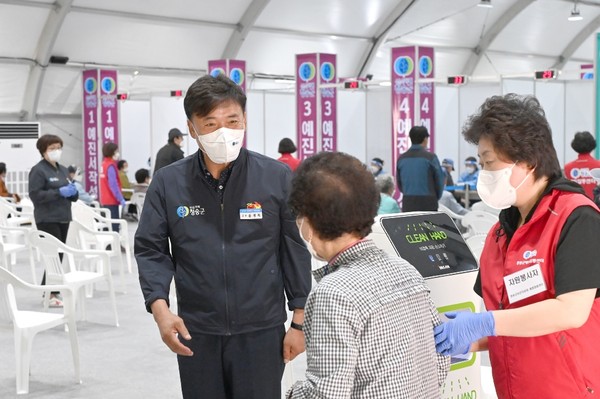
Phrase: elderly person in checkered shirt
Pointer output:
(368, 322)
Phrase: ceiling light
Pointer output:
(575, 14)
(485, 3)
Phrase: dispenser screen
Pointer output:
(430, 242)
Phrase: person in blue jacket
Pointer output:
(218, 223)
(419, 174)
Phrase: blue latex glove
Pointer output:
(123, 202)
(67, 191)
(455, 336)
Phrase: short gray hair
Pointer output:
(385, 184)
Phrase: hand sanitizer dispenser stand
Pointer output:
(432, 243)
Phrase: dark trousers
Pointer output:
(243, 366)
(114, 214)
(412, 203)
(58, 230)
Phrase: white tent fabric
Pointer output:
(159, 46)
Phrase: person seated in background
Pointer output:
(448, 166)
(126, 187)
(368, 321)
(3, 190)
(385, 185)
(471, 173)
(450, 202)
(376, 167)
(74, 176)
(142, 181)
(286, 149)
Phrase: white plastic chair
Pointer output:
(8, 236)
(10, 215)
(478, 222)
(51, 248)
(108, 242)
(26, 324)
(476, 243)
(93, 221)
(138, 199)
(482, 206)
(447, 211)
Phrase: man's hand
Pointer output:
(293, 344)
(170, 326)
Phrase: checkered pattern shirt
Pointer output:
(369, 331)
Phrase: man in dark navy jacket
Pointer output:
(419, 174)
(234, 250)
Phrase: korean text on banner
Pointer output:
(403, 99)
(109, 109)
(90, 129)
(306, 105)
(427, 92)
(327, 75)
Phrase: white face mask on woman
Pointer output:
(494, 188)
(223, 145)
(54, 155)
(308, 243)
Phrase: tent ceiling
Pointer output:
(170, 43)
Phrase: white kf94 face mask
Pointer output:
(221, 146)
(54, 155)
(494, 188)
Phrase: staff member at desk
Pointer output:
(471, 173)
(539, 273)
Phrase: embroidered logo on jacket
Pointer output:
(192, 210)
(529, 254)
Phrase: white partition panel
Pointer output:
(280, 120)
(135, 135)
(255, 118)
(518, 86)
(379, 126)
(165, 114)
(470, 99)
(579, 113)
(551, 96)
(447, 125)
(351, 119)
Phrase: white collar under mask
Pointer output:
(222, 146)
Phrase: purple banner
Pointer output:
(237, 72)
(327, 75)
(403, 100)
(90, 129)
(427, 92)
(306, 105)
(109, 109)
(217, 67)
(234, 70)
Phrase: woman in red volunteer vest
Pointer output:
(579, 170)
(540, 267)
(110, 184)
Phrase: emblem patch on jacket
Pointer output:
(253, 211)
(192, 210)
